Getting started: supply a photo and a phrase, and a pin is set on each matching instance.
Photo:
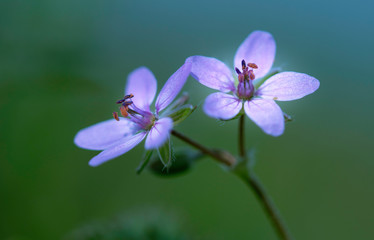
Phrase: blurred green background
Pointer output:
(63, 64)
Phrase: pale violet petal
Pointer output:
(173, 86)
(259, 48)
(123, 146)
(266, 114)
(222, 106)
(104, 134)
(212, 73)
(287, 86)
(159, 133)
(143, 85)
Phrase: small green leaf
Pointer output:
(181, 113)
(147, 156)
(184, 160)
(165, 153)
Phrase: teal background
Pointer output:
(63, 64)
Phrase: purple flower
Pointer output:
(258, 50)
(117, 136)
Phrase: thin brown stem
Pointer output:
(222, 157)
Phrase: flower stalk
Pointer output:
(252, 96)
(241, 138)
(247, 175)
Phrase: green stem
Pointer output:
(241, 137)
(246, 175)
(250, 178)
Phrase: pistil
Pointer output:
(245, 87)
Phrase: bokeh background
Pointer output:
(63, 64)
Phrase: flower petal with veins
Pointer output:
(212, 73)
(222, 106)
(104, 134)
(143, 85)
(123, 146)
(159, 133)
(172, 87)
(259, 48)
(287, 86)
(266, 114)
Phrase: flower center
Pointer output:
(144, 119)
(245, 87)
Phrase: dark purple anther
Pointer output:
(238, 71)
(243, 64)
(124, 98)
(129, 96)
(127, 103)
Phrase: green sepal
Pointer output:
(184, 160)
(165, 154)
(146, 157)
(181, 113)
